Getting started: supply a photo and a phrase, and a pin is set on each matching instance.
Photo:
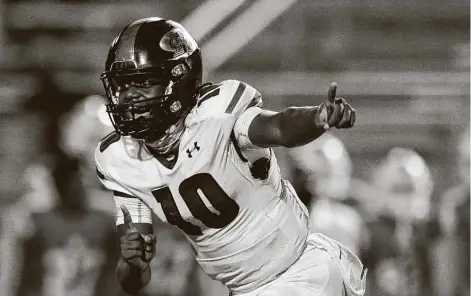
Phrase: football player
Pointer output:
(62, 246)
(83, 126)
(326, 168)
(79, 130)
(47, 228)
(199, 156)
(451, 251)
(399, 199)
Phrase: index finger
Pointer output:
(332, 92)
(127, 218)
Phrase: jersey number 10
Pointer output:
(204, 182)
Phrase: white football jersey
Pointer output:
(244, 222)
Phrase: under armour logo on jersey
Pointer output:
(195, 147)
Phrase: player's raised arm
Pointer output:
(296, 126)
(137, 248)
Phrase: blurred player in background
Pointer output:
(399, 204)
(79, 130)
(63, 247)
(83, 125)
(50, 221)
(199, 157)
(326, 170)
(15, 221)
(452, 251)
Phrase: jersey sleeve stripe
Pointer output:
(235, 99)
(122, 194)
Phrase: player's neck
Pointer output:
(169, 159)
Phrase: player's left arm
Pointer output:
(296, 126)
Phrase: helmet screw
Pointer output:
(175, 106)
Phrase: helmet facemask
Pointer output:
(159, 120)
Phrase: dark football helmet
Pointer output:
(153, 51)
(403, 185)
(326, 165)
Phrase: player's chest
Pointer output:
(203, 150)
(198, 193)
(194, 158)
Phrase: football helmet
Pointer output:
(326, 165)
(153, 51)
(404, 185)
(81, 129)
(84, 126)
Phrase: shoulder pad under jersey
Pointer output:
(114, 158)
(228, 96)
(109, 139)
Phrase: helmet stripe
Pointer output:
(126, 42)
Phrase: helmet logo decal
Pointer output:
(179, 42)
(178, 70)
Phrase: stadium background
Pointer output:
(404, 65)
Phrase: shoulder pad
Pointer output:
(230, 96)
(208, 91)
(109, 139)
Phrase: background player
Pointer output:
(451, 251)
(62, 247)
(398, 201)
(325, 169)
